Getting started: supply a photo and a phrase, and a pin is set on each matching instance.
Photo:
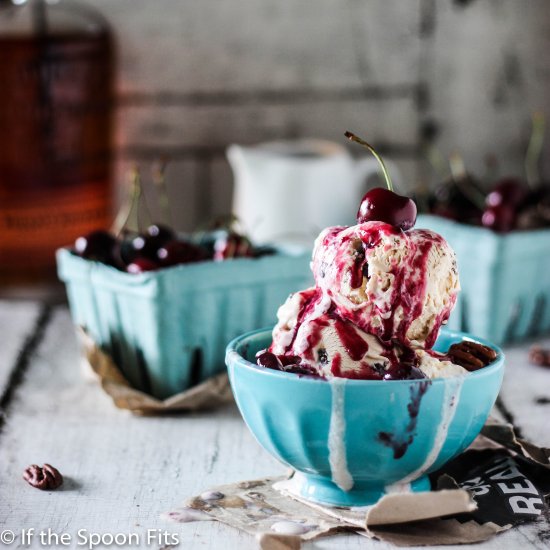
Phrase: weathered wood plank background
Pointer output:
(197, 76)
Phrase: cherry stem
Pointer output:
(128, 217)
(463, 182)
(458, 169)
(353, 137)
(491, 168)
(534, 149)
(129, 206)
(159, 179)
(436, 160)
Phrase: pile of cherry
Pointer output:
(160, 247)
(510, 204)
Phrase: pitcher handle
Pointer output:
(367, 167)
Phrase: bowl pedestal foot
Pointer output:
(323, 491)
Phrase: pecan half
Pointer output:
(471, 355)
(539, 356)
(44, 477)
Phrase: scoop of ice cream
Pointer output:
(328, 344)
(380, 298)
(395, 285)
(309, 330)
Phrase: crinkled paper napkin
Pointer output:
(500, 482)
(209, 394)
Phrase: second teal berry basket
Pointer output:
(505, 280)
(167, 330)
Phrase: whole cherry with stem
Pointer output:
(381, 204)
(510, 195)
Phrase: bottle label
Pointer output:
(33, 227)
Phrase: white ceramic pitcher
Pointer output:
(287, 191)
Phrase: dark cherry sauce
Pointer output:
(365, 372)
(314, 337)
(408, 292)
(354, 345)
(407, 296)
(310, 297)
(268, 360)
(331, 234)
(417, 289)
(401, 362)
(359, 264)
(400, 443)
(289, 360)
(362, 241)
(336, 365)
(432, 336)
(402, 365)
(285, 363)
(372, 235)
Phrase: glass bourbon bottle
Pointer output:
(56, 99)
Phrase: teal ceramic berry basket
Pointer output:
(167, 330)
(505, 280)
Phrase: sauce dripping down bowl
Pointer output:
(352, 441)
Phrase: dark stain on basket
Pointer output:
(124, 354)
(116, 352)
(195, 371)
(512, 327)
(538, 315)
(143, 371)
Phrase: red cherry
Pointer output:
(501, 218)
(97, 245)
(232, 245)
(161, 232)
(452, 199)
(509, 191)
(146, 246)
(179, 252)
(383, 205)
(149, 243)
(268, 360)
(141, 265)
(123, 253)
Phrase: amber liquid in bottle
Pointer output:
(55, 142)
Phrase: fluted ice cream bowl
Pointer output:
(352, 441)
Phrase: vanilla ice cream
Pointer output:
(393, 284)
(381, 296)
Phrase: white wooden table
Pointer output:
(123, 471)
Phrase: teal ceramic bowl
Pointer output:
(352, 441)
